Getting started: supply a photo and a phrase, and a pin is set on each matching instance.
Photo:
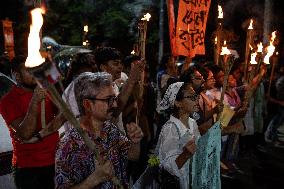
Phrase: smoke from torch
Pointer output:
(34, 57)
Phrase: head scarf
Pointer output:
(169, 97)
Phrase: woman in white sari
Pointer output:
(177, 140)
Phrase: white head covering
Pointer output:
(69, 98)
(169, 97)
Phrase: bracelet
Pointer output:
(37, 135)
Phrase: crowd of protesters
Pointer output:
(127, 117)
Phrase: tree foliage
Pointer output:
(108, 21)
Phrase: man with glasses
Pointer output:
(75, 166)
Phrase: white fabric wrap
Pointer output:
(170, 96)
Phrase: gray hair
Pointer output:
(89, 84)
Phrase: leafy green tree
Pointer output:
(65, 20)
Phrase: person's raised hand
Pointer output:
(137, 68)
(134, 132)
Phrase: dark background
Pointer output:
(111, 24)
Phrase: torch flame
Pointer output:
(270, 49)
(250, 25)
(252, 58)
(132, 52)
(216, 40)
(220, 11)
(225, 50)
(34, 57)
(146, 17)
(86, 28)
(273, 36)
(259, 47)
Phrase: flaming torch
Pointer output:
(85, 33)
(220, 12)
(219, 34)
(46, 74)
(216, 49)
(255, 61)
(34, 56)
(227, 66)
(260, 57)
(270, 50)
(142, 32)
(253, 58)
(248, 42)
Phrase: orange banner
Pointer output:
(191, 27)
(8, 38)
(172, 26)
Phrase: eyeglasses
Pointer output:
(192, 97)
(109, 100)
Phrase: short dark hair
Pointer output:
(105, 54)
(186, 77)
(129, 59)
(215, 69)
(81, 60)
(204, 72)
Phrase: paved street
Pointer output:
(262, 167)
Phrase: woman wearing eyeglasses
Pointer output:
(209, 108)
(176, 144)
